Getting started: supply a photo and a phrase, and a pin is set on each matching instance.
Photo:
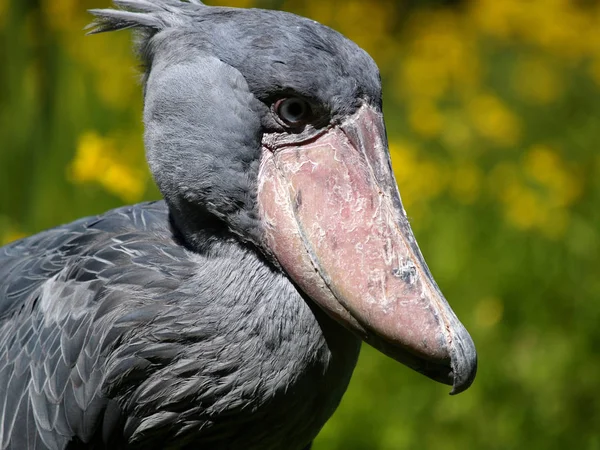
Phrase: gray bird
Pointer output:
(230, 314)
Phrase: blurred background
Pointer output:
(493, 115)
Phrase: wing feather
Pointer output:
(61, 295)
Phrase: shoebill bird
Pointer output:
(230, 314)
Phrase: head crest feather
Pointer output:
(149, 15)
(147, 18)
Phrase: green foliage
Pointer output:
(493, 114)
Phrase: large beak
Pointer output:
(335, 222)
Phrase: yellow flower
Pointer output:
(97, 161)
(124, 182)
(440, 55)
(425, 118)
(405, 164)
(493, 120)
(91, 158)
(561, 27)
(524, 207)
(419, 179)
(419, 77)
(536, 195)
(546, 167)
(495, 17)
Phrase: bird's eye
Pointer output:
(293, 111)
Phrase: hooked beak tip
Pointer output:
(464, 363)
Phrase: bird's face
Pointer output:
(273, 124)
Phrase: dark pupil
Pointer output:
(295, 110)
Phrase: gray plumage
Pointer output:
(113, 333)
(173, 324)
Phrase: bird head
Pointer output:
(270, 125)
